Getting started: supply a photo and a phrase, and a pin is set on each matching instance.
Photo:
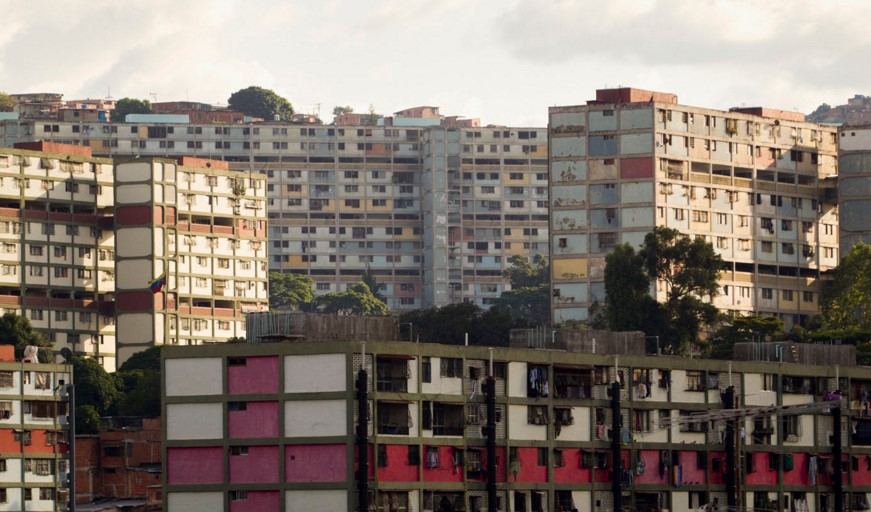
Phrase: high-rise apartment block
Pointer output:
(756, 183)
(854, 186)
(82, 239)
(432, 206)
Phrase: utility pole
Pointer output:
(490, 393)
(838, 466)
(616, 430)
(731, 469)
(363, 435)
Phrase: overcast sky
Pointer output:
(504, 61)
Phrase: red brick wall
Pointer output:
(54, 147)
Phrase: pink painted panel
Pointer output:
(652, 470)
(761, 475)
(631, 168)
(717, 477)
(195, 465)
(798, 474)
(316, 463)
(690, 471)
(257, 501)
(258, 420)
(530, 471)
(260, 465)
(571, 471)
(257, 375)
(443, 469)
(398, 469)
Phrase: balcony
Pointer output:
(393, 418)
(392, 375)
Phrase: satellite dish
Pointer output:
(66, 353)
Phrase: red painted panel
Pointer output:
(195, 465)
(260, 465)
(258, 420)
(501, 465)
(653, 473)
(571, 471)
(39, 443)
(315, 463)
(7, 442)
(257, 501)
(443, 469)
(690, 471)
(135, 301)
(631, 168)
(258, 375)
(133, 215)
(862, 476)
(530, 471)
(798, 474)
(761, 475)
(397, 469)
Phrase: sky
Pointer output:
(503, 61)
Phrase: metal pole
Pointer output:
(731, 469)
(71, 429)
(616, 430)
(838, 467)
(363, 438)
(490, 393)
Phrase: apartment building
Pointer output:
(65, 214)
(201, 226)
(432, 207)
(34, 463)
(121, 461)
(854, 192)
(758, 184)
(272, 427)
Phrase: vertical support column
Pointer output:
(490, 394)
(363, 437)
(71, 422)
(731, 469)
(837, 454)
(616, 462)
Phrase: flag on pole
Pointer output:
(158, 283)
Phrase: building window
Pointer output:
(451, 367)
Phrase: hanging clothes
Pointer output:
(812, 469)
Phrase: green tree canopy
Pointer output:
(97, 393)
(148, 359)
(16, 330)
(527, 303)
(371, 118)
(373, 284)
(141, 395)
(7, 102)
(126, 106)
(846, 300)
(450, 324)
(744, 329)
(259, 102)
(687, 268)
(289, 291)
(358, 300)
(340, 111)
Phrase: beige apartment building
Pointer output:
(432, 206)
(62, 215)
(758, 184)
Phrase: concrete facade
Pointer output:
(433, 210)
(427, 448)
(755, 183)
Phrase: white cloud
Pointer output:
(503, 61)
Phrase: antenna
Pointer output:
(153, 97)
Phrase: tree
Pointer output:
(259, 102)
(16, 330)
(690, 269)
(449, 325)
(289, 291)
(96, 392)
(371, 118)
(141, 395)
(374, 285)
(846, 300)
(7, 102)
(148, 359)
(126, 106)
(744, 329)
(341, 111)
(528, 301)
(626, 283)
(358, 300)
